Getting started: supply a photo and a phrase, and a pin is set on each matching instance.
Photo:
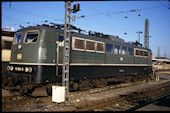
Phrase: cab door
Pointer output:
(59, 54)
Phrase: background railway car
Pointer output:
(6, 42)
(37, 56)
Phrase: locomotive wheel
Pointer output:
(4, 81)
(101, 82)
(128, 79)
(49, 89)
(75, 86)
(49, 92)
(84, 84)
(26, 89)
(7, 82)
(40, 91)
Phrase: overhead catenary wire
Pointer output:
(112, 18)
(12, 19)
(47, 16)
(164, 5)
(45, 5)
(28, 13)
(113, 13)
(106, 27)
(106, 13)
(102, 26)
(39, 15)
(98, 28)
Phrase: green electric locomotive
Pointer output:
(37, 56)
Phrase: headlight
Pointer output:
(12, 68)
(30, 70)
(19, 46)
(26, 69)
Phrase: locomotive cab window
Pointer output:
(31, 37)
(17, 38)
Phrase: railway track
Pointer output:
(122, 102)
(16, 98)
(132, 101)
(152, 101)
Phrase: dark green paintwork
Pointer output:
(47, 40)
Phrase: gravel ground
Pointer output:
(78, 99)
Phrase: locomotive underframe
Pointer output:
(81, 77)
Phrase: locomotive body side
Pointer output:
(89, 63)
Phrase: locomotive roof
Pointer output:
(38, 28)
(78, 35)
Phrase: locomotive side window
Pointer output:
(78, 44)
(61, 40)
(124, 49)
(109, 48)
(145, 53)
(137, 52)
(90, 45)
(117, 49)
(17, 38)
(100, 47)
(130, 51)
(87, 45)
(31, 37)
(140, 52)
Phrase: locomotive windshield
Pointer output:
(17, 38)
(31, 36)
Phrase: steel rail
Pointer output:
(127, 97)
(144, 104)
